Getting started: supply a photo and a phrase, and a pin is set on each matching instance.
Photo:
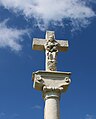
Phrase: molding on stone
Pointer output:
(51, 81)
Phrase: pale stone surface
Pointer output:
(38, 44)
(51, 46)
(51, 82)
(52, 106)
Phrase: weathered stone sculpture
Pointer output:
(51, 47)
(51, 82)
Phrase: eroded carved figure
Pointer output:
(51, 65)
(51, 47)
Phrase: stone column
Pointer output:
(52, 84)
(52, 104)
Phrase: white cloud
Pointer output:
(2, 114)
(10, 37)
(92, 1)
(45, 11)
(88, 116)
(37, 107)
(14, 116)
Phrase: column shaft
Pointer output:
(52, 105)
(52, 108)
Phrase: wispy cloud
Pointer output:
(88, 116)
(37, 107)
(78, 12)
(14, 116)
(11, 37)
(2, 114)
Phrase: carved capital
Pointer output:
(58, 87)
(38, 82)
(51, 81)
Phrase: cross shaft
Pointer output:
(51, 47)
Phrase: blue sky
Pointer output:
(19, 24)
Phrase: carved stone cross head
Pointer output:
(51, 47)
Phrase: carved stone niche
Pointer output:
(51, 80)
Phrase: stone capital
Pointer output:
(56, 82)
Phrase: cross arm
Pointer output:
(38, 44)
(63, 45)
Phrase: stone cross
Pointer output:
(51, 46)
(51, 82)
